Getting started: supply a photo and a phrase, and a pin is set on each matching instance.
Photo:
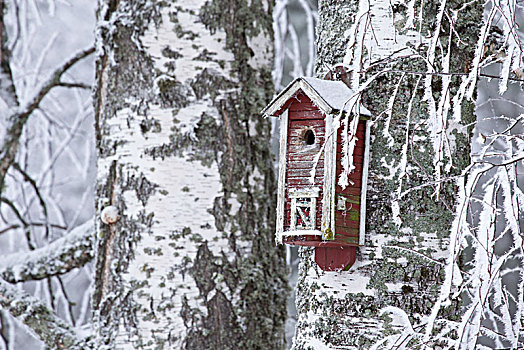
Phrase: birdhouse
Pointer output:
(312, 209)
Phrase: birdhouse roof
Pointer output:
(328, 95)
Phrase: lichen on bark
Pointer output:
(400, 265)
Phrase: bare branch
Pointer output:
(37, 224)
(14, 209)
(18, 120)
(7, 88)
(69, 252)
(37, 191)
(75, 85)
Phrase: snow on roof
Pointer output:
(328, 95)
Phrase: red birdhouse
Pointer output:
(312, 209)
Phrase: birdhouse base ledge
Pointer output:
(302, 233)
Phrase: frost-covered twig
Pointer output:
(69, 252)
(54, 332)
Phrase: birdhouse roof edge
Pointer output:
(327, 95)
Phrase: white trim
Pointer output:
(329, 175)
(328, 95)
(284, 96)
(304, 192)
(316, 98)
(365, 165)
(281, 198)
(302, 233)
(334, 177)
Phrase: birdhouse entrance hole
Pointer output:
(309, 137)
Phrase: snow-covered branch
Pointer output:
(54, 332)
(69, 252)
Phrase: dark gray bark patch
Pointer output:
(218, 330)
(150, 125)
(173, 93)
(138, 183)
(204, 270)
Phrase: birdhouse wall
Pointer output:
(348, 200)
(304, 117)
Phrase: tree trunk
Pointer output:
(397, 277)
(185, 253)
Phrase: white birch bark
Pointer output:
(184, 158)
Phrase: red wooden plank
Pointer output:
(302, 106)
(293, 171)
(344, 221)
(348, 190)
(346, 240)
(360, 127)
(300, 178)
(306, 173)
(356, 173)
(305, 115)
(317, 123)
(303, 182)
(297, 137)
(298, 134)
(298, 145)
(354, 199)
(309, 152)
(361, 134)
(345, 232)
(303, 156)
(357, 160)
(355, 183)
(307, 164)
(354, 176)
(302, 103)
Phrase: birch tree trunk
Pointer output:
(185, 254)
(397, 277)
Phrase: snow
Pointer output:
(335, 93)
(316, 344)
(328, 95)
(33, 260)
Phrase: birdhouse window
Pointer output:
(309, 137)
(303, 209)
